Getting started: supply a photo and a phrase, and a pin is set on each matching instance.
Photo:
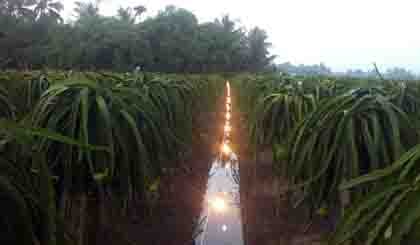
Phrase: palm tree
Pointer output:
(140, 10)
(48, 9)
(17, 8)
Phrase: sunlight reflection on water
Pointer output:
(222, 225)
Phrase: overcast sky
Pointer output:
(342, 34)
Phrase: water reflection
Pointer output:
(222, 220)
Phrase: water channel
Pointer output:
(221, 219)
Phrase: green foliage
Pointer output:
(390, 212)
(405, 95)
(328, 132)
(17, 217)
(29, 212)
(33, 35)
(143, 122)
(278, 114)
(93, 133)
(345, 137)
(7, 108)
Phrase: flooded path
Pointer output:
(222, 224)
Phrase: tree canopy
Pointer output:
(33, 35)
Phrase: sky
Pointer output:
(342, 34)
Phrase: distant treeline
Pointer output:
(33, 35)
(396, 73)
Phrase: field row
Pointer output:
(68, 138)
(346, 146)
